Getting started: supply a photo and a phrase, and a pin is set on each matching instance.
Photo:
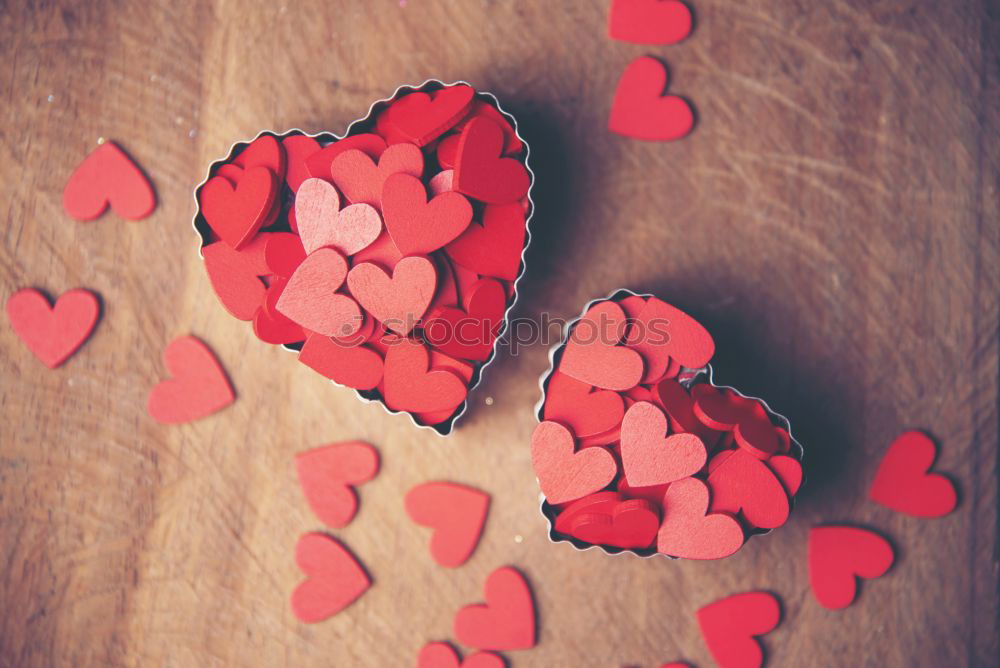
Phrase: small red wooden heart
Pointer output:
(480, 170)
(328, 475)
(728, 627)
(423, 118)
(53, 333)
(494, 247)
(584, 409)
(506, 621)
(565, 474)
(108, 177)
(443, 655)
(360, 180)
(641, 111)
(741, 482)
(456, 513)
(199, 386)
(633, 524)
(351, 365)
(418, 226)
(679, 407)
(649, 21)
(411, 386)
(234, 280)
(650, 459)
(838, 555)
(235, 214)
(789, 471)
(264, 151)
(470, 333)
(318, 164)
(725, 410)
(334, 579)
(688, 530)
(310, 298)
(283, 253)
(322, 222)
(662, 332)
(904, 482)
(592, 354)
(298, 149)
(397, 302)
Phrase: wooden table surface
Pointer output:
(833, 219)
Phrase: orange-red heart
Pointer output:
(236, 213)
(565, 474)
(480, 170)
(649, 458)
(53, 333)
(398, 302)
(334, 580)
(592, 354)
(108, 177)
(411, 386)
(456, 513)
(199, 386)
(688, 530)
(506, 621)
(418, 226)
(310, 297)
(328, 475)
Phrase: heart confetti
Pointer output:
(456, 513)
(637, 451)
(108, 177)
(729, 627)
(506, 621)
(334, 580)
(904, 482)
(55, 332)
(199, 387)
(328, 475)
(640, 109)
(318, 240)
(838, 555)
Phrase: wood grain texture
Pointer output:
(833, 220)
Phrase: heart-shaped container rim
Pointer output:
(366, 124)
(687, 378)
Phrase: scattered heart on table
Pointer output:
(838, 555)
(408, 232)
(729, 627)
(199, 386)
(456, 513)
(641, 110)
(329, 474)
(53, 332)
(904, 481)
(631, 434)
(108, 177)
(334, 578)
(506, 621)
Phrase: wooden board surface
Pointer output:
(833, 220)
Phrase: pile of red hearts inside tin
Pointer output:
(387, 258)
(638, 450)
